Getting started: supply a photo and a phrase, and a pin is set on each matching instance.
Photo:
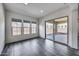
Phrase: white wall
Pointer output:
(9, 37)
(71, 11)
(2, 28)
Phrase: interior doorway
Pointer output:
(57, 30)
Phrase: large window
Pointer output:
(26, 25)
(33, 27)
(16, 27)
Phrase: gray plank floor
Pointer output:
(38, 47)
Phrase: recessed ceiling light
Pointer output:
(26, 3)
(41, 11)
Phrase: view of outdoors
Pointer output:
(57, 30)
(49, 30)
(26, 28)
(16, 28)
(62, 28)
(33, 27)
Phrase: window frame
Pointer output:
(24, 21)
(34, 29)
(16, 20)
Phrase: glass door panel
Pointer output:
(60, 29)
(49, 30)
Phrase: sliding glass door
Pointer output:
(49, 30)
(56, 30)
(61, 30)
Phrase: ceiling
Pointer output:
(61, 19)
(34, 9)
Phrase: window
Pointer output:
(16, 27)
(26, 25)
(33, 27)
